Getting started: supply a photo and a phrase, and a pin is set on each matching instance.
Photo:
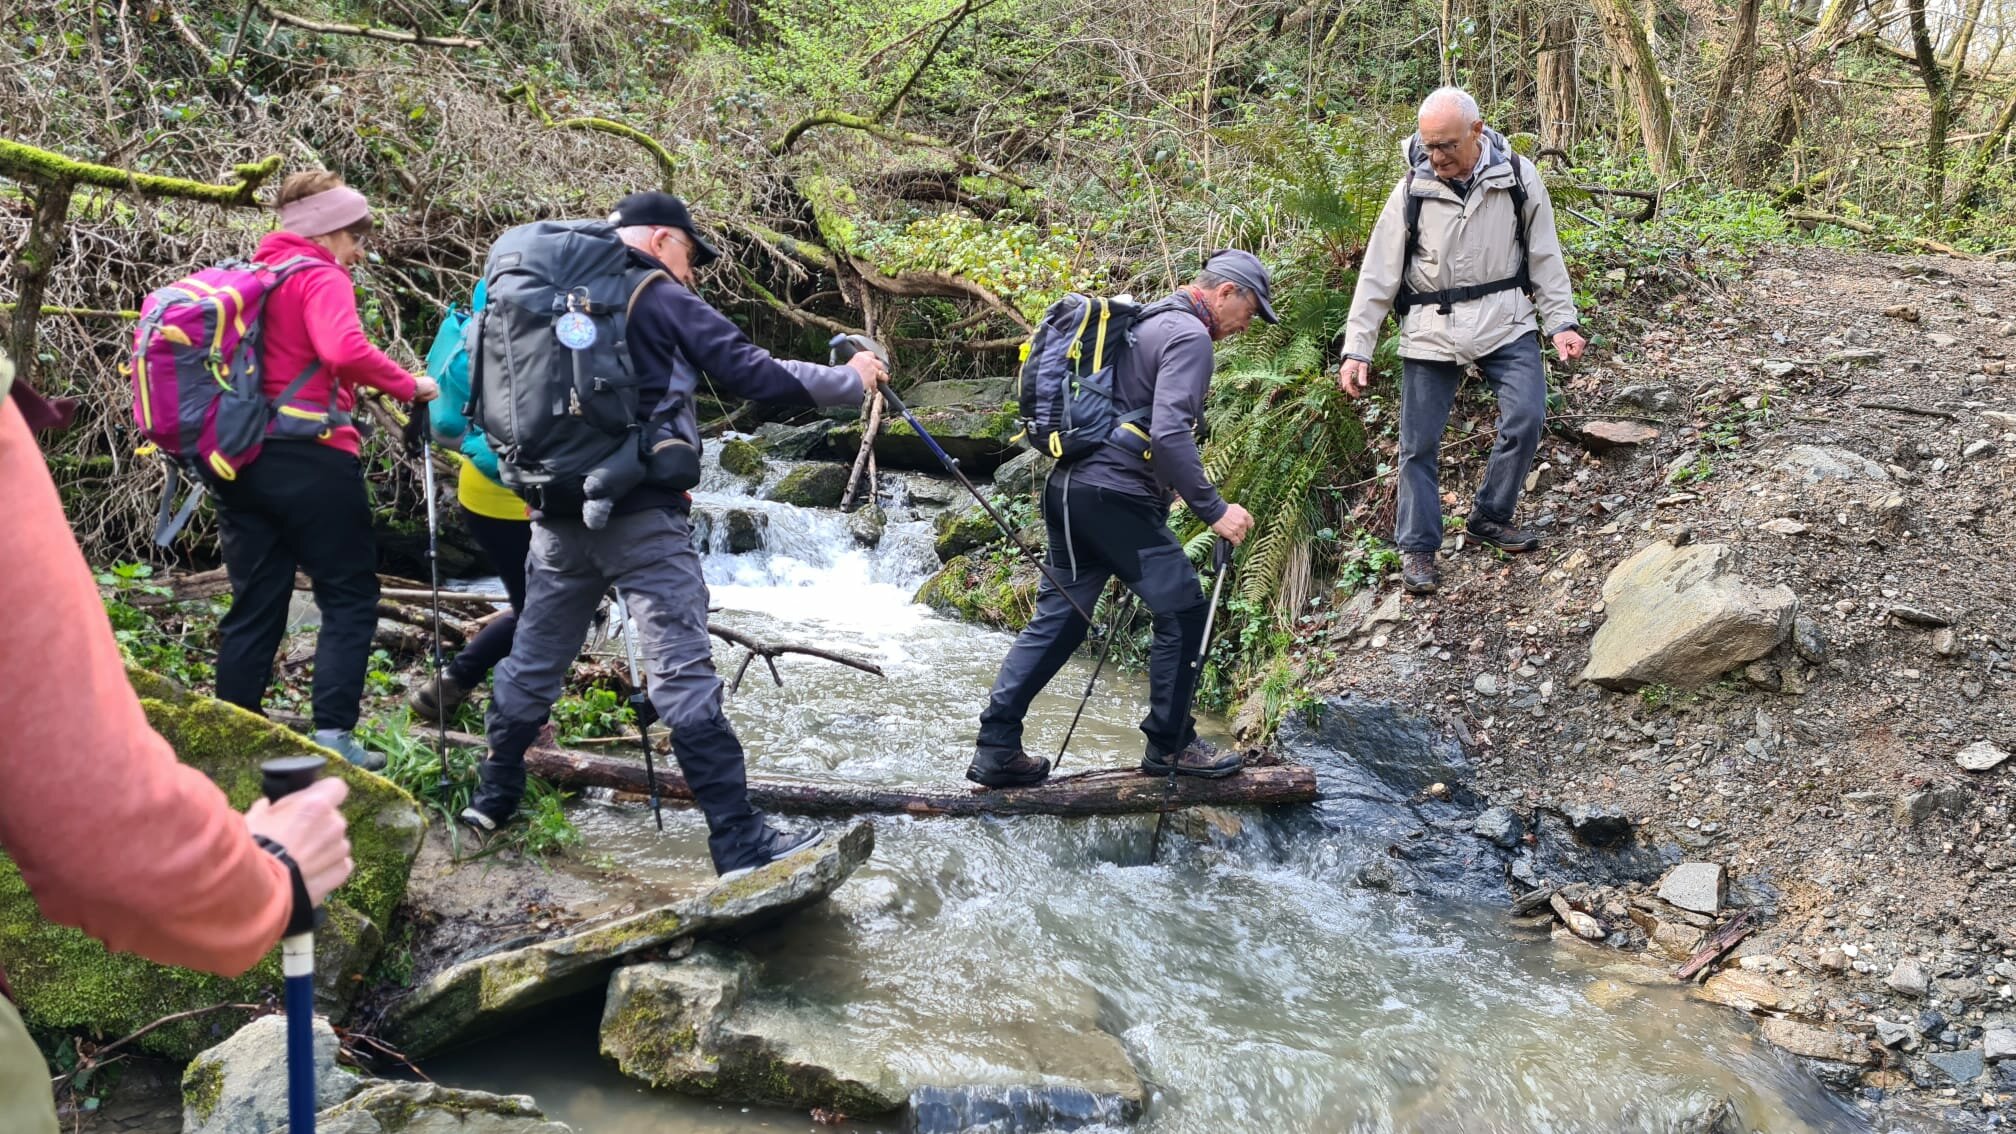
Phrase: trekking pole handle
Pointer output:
(1221, 555)
(283, 777)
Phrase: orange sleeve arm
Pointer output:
(113, 835)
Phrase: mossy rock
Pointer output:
(979, 437)
(961, 532)
(69, 983)
(743, 458)
(996, 589)
(812, 486)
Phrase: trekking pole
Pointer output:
(279, 779)
(1221, 562)
(845, 347)
(1120, 626)
(640, 704)
(417, 429)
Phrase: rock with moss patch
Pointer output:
(685, 1026)
(867, 525)
(792, 442)
(977, 435)
(812, 486)
(240, 1086)
(1023, 475)
(480, 994)
(961, 532)
(743, 458)
(429, 1108)
(67, 982)
(992, 590)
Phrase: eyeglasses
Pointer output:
(1441, 147)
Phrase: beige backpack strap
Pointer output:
(638, 292)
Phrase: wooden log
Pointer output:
(1114, 791)
(1720, 942)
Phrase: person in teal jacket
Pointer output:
(495, 515)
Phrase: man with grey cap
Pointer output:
(646, 549)
(1106, 515)
(1466, 255)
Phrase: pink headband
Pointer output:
(322, 213)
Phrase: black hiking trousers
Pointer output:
(301, 504)
(1109, 534)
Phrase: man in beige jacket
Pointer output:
(1485, 260)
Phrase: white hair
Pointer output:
(636, 235)
(1452, 98)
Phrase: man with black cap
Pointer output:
(646, 550)
(1107, 515)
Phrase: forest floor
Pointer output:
(1823, 778)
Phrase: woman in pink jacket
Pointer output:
(302, 503)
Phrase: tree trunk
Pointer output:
(1558, 82)
(1940, 93)
(33, 262)
(1632, 54)
(1834, 21)
(1984, 156)
(1735, 74)
(1963, 38)
(1113, 791)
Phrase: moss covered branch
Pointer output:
(668, 165)
(384, 35)
(24, 162)
(842, 120)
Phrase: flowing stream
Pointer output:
(1253, 988)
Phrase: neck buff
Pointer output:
(1194, 295)
(322, 213)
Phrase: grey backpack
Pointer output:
(551, 381)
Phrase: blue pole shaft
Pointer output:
(297, 961)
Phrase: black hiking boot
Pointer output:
(1418, 573)
(770, 845)
(437, 698)
(499, 787)
(485, 817)
(1504, 537)
(1199, 758)
(1006, 768)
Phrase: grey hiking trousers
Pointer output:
(1427, 391)
(649, 556)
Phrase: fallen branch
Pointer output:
(770, 652)
(1808, 216)
(80, 312)
(385, 35)
(1112, 791)
(668, 166)
(97, 1057)
(1723, 940)
(1899, 407)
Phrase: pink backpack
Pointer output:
(196, 379)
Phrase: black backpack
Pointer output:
(1406, 300)
(551, 381)
(1064, 392)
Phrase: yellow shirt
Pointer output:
(486, 497)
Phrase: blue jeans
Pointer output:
(1427, 391)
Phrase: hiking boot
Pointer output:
(1504, 537)
(499, 787)
(1418, 573)
(437, 698)
(769, 846)
(1006, 768)
(344, 743)
(485, 820)
(1198, 758)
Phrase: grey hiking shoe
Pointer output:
(1504, 537)
(1199, 758)
(438, 697)
(1418, 572)
(344, 743)
(774, 843)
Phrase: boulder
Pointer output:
(1023, 475)
(992, 590)
(743, 458)
(240, 1086)
(67, 982)
(960, 393)
(1814, 464)
(867, 524)
(1696, 886)
(1682, 616)
(817, 485)
(429, 1108)
(745, 530)
(793, 442)
(1816, 1043)
(480, 994)
(972, 425)
(1655, 399)
(683, 1026)
(961, 532)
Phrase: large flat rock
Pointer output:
(429, 1108)
(476, 996)
(1683, 616)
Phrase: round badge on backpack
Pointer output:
(575, 331)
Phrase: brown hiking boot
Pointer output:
(1198, 758)
(438, 697)
(1006, 768)
(1504, 537)
(1418, 573)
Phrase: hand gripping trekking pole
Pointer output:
(845, 347)
(640, 704)
(278, 779)
(417, 429)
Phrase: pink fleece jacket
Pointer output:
(313, 315)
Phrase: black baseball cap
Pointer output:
(663, 210)
(1246, 270)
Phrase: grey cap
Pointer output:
(1246, 270)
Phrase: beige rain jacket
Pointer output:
(1463, 242)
